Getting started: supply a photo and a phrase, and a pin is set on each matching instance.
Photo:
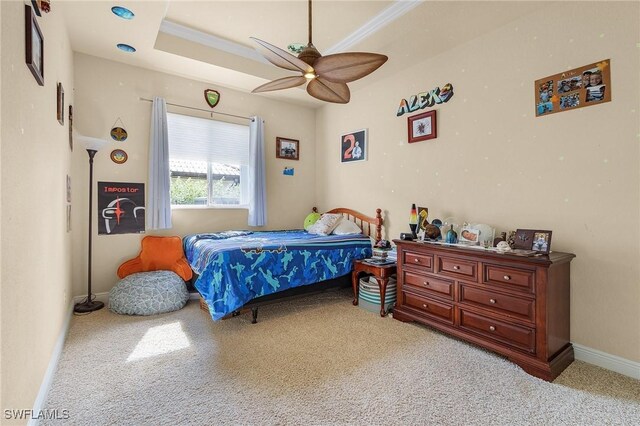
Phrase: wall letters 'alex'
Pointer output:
(426, 99)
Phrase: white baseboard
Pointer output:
(51, 368)
(607, 361)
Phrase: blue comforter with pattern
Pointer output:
(237, 266)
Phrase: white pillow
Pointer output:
(325, 224)
(346, 227)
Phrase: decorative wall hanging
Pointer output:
(118, 133)
(120, 208)
(60, 104)
(71, 127)
(426, 99)
(34, 43)
(576, 88)
(68, 189)
(353, 146)
(287, 148)
(212, 97)
(288, 171)
(118, 156)
(422, 126)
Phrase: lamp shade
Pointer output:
(92, 143)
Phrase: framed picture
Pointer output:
(70, 127)
(541, 241)
(469, 235)
(353, 146)
(34, 45)
(580, 87)
(68, 189)
(287, 148)
(523, 239)
(422, 126)
(60, 103)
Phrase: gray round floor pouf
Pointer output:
(148, 293)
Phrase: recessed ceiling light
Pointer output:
(126, 48)
(122, 12)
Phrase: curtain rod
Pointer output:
(200, 109)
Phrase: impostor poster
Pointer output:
(120, 208)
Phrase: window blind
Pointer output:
(201, 139)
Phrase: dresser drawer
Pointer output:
(510, 305)
(459, 268)
(523, 338)
(441, 311)
(511, 278)
(418, 259)
(435, 286)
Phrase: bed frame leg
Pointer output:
(254, 314)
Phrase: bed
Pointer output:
(243, 269)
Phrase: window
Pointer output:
(208, 160)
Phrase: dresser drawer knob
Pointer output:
(507, 277)
(456, 267)
(492, 301)
(424, 305)
(416, 260)
(492, 328)
(426, 283)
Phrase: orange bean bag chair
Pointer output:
(158, 254)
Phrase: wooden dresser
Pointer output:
(513, 305)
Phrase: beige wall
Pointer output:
(106, 90)
(494, 162)
(36, 256)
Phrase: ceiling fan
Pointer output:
(327, 75)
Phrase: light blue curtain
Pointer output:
(257, 174)
(158, 211)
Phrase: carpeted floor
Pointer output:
(317, 360)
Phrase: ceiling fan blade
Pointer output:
(329, 91)
(281, 58)
(281, 83)
(350, 66)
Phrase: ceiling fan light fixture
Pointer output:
(325, 76)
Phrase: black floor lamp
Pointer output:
(92, 145)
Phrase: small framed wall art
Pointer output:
(60, 104)
(353, 146)
(287, 148)
(119, 156)
(422, 127)
(34, 45)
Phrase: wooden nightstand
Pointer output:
(381, 273)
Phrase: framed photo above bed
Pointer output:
(288, 149)
(353, 146)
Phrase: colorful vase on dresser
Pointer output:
(452, 236)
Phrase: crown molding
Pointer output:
(381, 20)
(209, 40)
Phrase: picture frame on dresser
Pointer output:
(541, 242)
